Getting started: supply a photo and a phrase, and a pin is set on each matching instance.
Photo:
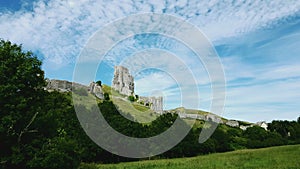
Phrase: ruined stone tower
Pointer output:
(96, 89)
(154, 103)
(123, 81)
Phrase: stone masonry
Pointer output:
(95, 89)
(66, 86)
(155, 103)
(123, 81)
(63, 85)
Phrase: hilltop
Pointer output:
(142, 109)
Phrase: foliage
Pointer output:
(106, 96)
(289, 130)
(131, 98)
(258, 137)
(99, 82)
(21, 93)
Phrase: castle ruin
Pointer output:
(63, 85)
(66, 86)
(123, 81)
(155, 103)
(96, 89)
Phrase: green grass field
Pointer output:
(282, 157)
(139, 112)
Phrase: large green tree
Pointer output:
(21, 88)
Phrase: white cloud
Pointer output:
(266, 101)
(59, 29)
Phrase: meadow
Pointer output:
(281, 157)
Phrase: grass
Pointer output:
(88, 101)
(140, 113)
(282, 157)
(140, 107)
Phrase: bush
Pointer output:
(131, 98)
(106, 96)
(99, 82)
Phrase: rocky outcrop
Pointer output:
(123, 81)
(96, 89)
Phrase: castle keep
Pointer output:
(123, 81)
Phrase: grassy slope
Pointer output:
(266, 158)
(192, 111)
(143, 114)
(139, 112)
(89, 100)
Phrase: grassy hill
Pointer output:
(282, 157)
(140, 113)
(143, 114)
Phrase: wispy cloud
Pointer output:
(59, 29)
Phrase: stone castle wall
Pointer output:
(63, 85)
(155, 103)
(123, 81)
(207, 117)
(66, 86)
(96, 89)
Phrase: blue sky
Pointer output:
(258, 44)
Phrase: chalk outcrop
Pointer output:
(123, 81)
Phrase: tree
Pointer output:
(21, 91)
(99, 82)
(131, 98)
(281, 127)
(106, 96)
